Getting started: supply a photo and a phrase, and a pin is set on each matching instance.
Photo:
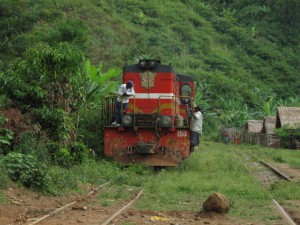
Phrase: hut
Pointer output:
(288, 118)
(269, 124)
(253, 129)
(268, 128)
(254, 126)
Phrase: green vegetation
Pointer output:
(214, 167)
(59, 57)
(211, 169)
(224, 46)
(285, 191)
(3, 200)
(26, 169)
(292, 158)
(4, 178)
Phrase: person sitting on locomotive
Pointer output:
(196, 126)
(125, 91)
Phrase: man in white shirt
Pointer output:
(125, 92)
(196, 127)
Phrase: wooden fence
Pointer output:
(268, 140)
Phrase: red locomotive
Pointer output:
(155, 127)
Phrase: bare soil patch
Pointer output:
(26, 206)
(287, 170)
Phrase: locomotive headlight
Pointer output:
(142, 64)
(147, 64)
(127, 120)
(152, 64)
(165, 121)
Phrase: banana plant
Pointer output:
(101, 83)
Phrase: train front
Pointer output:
(155, 127)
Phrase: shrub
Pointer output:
(6, 137)
(26, 169)
(36, 145)
(62, 180)
(4, 179)
(79, 153)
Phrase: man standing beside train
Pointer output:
(196, 126)
(125, 91)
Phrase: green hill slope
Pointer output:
(242, 53)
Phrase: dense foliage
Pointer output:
(243, 55)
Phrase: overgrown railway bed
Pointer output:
(268, 175)
(87, 210)
(100, 206)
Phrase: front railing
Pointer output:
(108, 109)
(139, 119)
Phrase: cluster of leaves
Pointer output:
(6, 136)
(287, 136)
(50, 152)
(26, 169)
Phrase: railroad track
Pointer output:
(280, 175)
(108, 219)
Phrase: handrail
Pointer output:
(108, 108)
(166, 96)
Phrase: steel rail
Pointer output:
(65, 206)
(276, 171)
(284, 214)
(280, 174)
(279, 208)
(123, 208)
(286, 217)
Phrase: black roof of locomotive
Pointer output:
(158, 68)
(184, 78)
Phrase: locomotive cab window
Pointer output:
(186, 90)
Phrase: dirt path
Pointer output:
(27, 206)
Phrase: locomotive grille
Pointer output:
(145, 120)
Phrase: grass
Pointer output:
(3, 199)
(282, 190)
(286, 191)
(4, 179)
(290, 157)
(214, 167)
(113, 194)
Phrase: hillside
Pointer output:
(243, 54)
(59, 58)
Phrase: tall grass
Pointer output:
(4, 179)
(211, 168)
(290, 157)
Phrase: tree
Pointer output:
(51, 81)
(288, 11)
